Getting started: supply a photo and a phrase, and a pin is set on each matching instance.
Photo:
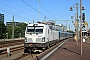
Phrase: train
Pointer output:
(39, 37)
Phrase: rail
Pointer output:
(49, 51)
(12, 39)
(11, 47)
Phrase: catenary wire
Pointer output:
(46, 9)
(14, 14)
(16, 9)
(32, 8)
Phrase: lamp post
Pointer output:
(76, 21)
(81, 23)
(81, 8)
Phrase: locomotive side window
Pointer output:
(48, 31)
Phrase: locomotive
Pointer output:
(39, 37)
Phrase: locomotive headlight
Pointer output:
(25, 39)
(43, 39)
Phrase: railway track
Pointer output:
(13, 51)
(14, 45)
(25, 56)
(11, 43)
(43, 55)
(18, 54)
(48, 52)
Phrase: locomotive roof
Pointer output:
(36, 24)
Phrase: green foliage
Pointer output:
(2, 30)
(9, 31)
(20, 29)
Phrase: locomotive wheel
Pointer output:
(30, 50)
(26, 50)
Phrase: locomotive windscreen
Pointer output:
(35, 29)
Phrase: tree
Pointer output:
(22, 27)
(9, 31)
(2, 30)
(18, 30)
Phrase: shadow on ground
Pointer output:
(71, 51)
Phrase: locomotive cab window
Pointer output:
(35, 29)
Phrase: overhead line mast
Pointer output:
(38, 10)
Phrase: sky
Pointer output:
(56, 10)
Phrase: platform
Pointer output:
(70, 51)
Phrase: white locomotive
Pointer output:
(39, 37)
